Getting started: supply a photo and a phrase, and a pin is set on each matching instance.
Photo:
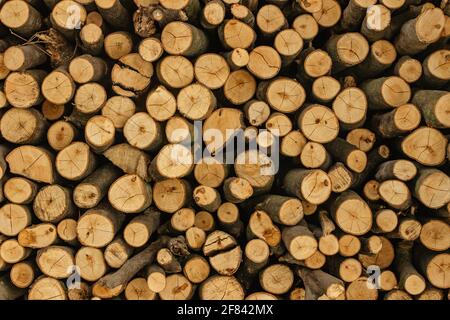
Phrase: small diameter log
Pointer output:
(99, 133)
(20, 190)
(282, 94)
(131, 75)
(362, 138)
(117, 252)
(13, 219)
(81, 292)
(114, 13)
(388, 280)
(170, 195)
(97, 227)
(330, 13)
(385, 220)
(210, 172)
(175, 71)
(292, 144)
(313, 186)
(306, 26)
(431, 293)
(270, 20)
(75, 161)
(89, 192)
(142, 131)
(383, 259)
(22, 274)
(67, 230)
(118, 44)
(432, 188)
(168, 261)
(58, 87)
(52, 111)
(139, 230)
(172, 161)
(435, 235)
(403, 170)
(20, 58)
(61, 134)
(410, 279)
(213, 14)
(196, 102)
(237, 190)
(314, 63)
(318, 123)
(359, 290)
(228, 216)
(113, 284)
(178, 287)
(408, 69)
(264, 62)
(22, 89)
(347, 50)
(91, 263)
(418, 33)
(237, 58)
(23, 126)
(32, 162)
(371, 245)
(395, 193)
(181, 38)
(354, 13)
(155, 277)
(283, 210)
(53, 203)
(426, 146)
(325, 89)
(12, 252)
(407, 229)
(240, 87)
(196, 269)
(87, 68)
(150, 49)
(21, 17)
(355, 159)
(351, 213)
(370, 190)
(276, 279)
(137, 289)
(433, 265)
(47, 288)
(55, 261)
(38, 236)
(257, 168)
(67, 16)
(314, 155)
(130, 159)
(347, 269)
(161, 104)
(376, 22)
(341, 177)
(219, 287)
(434, 106)
(226, 262)
(435, 73)
(257, 112)
(260, 226)
(288, 43)
(207, 198)
(350, 107)
(349, 245)
(92, 38)
(320, 285)
(195, 237)
(397, 122)
(130, 194)
(211, 70)
(256, 257)
(235, 34)
(387, 92)
(381, 56)
(299, 241)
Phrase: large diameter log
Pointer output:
(434, 235)
(434, 266)
(22, 89)
(76, 161)
(20, 58)
(347, 50)
(53, 203)
(139, 230)
(180, 38)
(432, 188)
(219, 287)
(425, 145)
(130, 194)
(67, 16)
(299, 241)
(131, 76)
(23, 126)
(13, 219)
(55, 261)
(397, 122)
(435, 74)
(387, 92)
(318, 123)
(47, 288)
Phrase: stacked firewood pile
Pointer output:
(345, 196)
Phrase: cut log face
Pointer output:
(47, 288)
(13, 219)
(318, 123)
(130, 194)
(32, 162)
(426, 146)
(221, 288)
(352, 214)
